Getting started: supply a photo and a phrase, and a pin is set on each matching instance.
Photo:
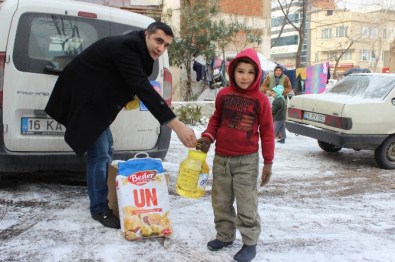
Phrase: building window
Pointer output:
(372, 56)
(331, 56)
(316, 57)
(384, 33)
(364, 55)
(279, 21)
(326, 33)
(373, 33)
(342, 31)
(347, 55)
(368, 32)
(365, 32)
(285, 40)
(389, 33)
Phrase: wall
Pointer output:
(246, 7)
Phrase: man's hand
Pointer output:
(184, 133)
(203, 144)
(266, 174)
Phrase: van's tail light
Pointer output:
(295, 113)
(2, 64)
(167, 86)
(338, 122)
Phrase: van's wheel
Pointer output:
(385, 153)
(328, 147)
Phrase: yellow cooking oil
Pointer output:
(193, 175)
(135, 103)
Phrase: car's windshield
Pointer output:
(365, 86)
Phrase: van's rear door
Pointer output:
(40, 44)
(26, 85)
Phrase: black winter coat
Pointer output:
(96, 85)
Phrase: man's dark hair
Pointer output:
(159, 25)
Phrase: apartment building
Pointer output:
(352, 39)
(284, 33)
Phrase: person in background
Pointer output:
(279, 111)
(277, 78)
(242, 115)
(92, 90)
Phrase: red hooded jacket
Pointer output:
(241, 116)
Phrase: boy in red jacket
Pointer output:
(242, 116)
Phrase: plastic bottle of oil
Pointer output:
(193, 175)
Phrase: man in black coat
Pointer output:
(94, 87)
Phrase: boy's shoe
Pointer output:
(245, 254)
(215, 245)
(107, 218)
(281, 141)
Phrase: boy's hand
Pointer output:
(203, 144)
(266, 174)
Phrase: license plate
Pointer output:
(314, 117)
(41, 126)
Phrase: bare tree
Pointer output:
(195, 38)
(234, 32)
(202, 33)
(283, 23)
(299, 24)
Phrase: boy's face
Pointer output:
(157, 43)
(244, 75)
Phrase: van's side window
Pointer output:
(46, 43)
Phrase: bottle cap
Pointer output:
(197, 154)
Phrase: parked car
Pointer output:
(38, 38)
(357, 113)
(356, 70)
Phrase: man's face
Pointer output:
(157, 43)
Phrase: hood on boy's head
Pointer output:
(279, 89)
(251, 54)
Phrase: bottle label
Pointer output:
(202, 182)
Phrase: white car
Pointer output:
(357, 113)
(37, 40)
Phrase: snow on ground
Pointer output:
(317, 207)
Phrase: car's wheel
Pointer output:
(385, 153)
(327, 147)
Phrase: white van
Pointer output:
(37, 39)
